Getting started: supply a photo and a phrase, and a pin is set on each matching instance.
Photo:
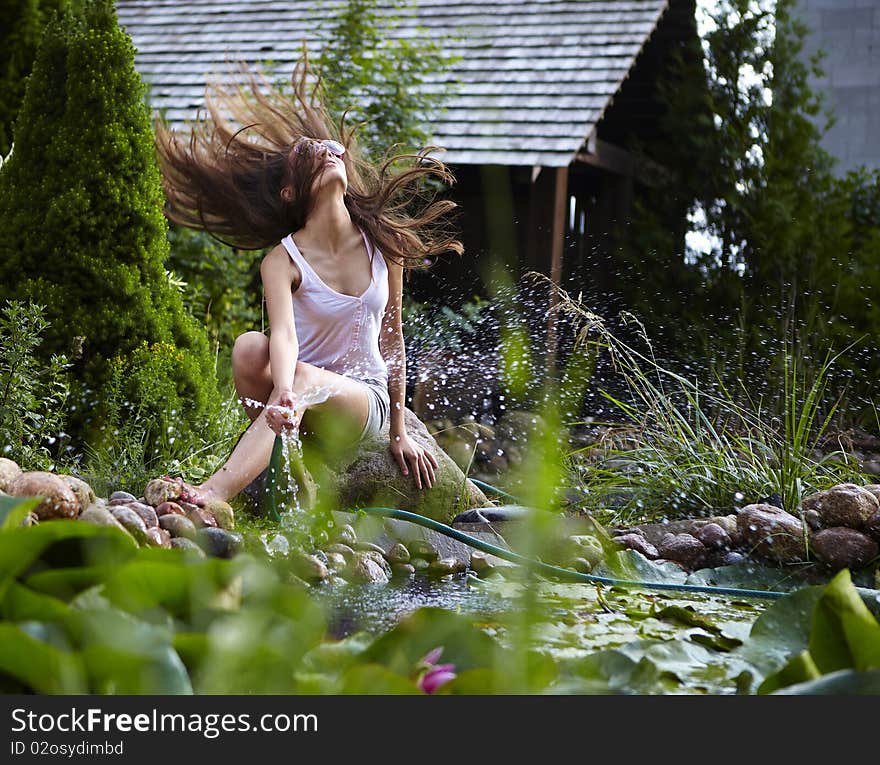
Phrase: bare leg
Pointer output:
(251, 371)
(348, 404)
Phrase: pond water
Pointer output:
(639, 641)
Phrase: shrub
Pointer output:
(81, 224)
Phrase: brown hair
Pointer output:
(226, 177)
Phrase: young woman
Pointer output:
(260, 171)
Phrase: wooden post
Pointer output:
(549, 206)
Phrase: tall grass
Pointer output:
(683, 448)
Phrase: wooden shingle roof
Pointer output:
(533, 78)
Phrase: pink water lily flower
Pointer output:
(434, 675)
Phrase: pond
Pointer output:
(652, 643)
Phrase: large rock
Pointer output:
(843, 505)
(684, 549)
(9, 471)
(59, 501)
(374, 479)
(772, 533)
(842, 547)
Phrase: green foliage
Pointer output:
(843, 635)
(32, 395)
(21, 26)
(81, 224)
(379, 78)
(220, 287)
(689, 447)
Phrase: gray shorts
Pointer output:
(379, 410)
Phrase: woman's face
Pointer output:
(329, 154)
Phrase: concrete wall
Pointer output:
(848, 32)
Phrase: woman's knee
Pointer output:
(250, 353)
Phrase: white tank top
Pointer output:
(336, 331)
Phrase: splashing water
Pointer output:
(293, 517)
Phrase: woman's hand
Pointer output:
(281, 412)
(412, 457)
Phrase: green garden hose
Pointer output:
(556, 572)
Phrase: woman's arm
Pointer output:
(278, 275)
(391, 346)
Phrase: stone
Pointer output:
(321, 556)
(813, 519)
(121, 498)
(336, 561)
(588, 547)
(9, 471)
(685, 549)
(398, 554)
(100, 516)
(219, 543)
(582, 565)
(157, 537)
(419, 564)
(345, 535)
(167, 508)
(713, 536)
(480, 562)
(201, 518)
(362, 568)
(370, 547)
(373, 478)
(182, 543)
(83, 492)
(58, 501)
(344, 550)
(309, 567)
(638, 543)
(872, 526)
(445, 566)
(843, 505)
(145, 511)
(178, 525)
(772, 533)
(222, 512)
(402, 570)
(842, 547)
(874, 488)
(380, 560)
(158, 491)
(419, 548)
(131, 522)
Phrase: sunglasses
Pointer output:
(312, 145)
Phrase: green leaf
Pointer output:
(781, 632)
(464, 644)
(127, 655)
(21, 603)
(375, 679)
(845, 634)
(844, 682)
(800, 669)
(38, 666)
(13, 510)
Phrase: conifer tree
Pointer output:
(82, 232)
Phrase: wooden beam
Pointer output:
(606, 156)
(549, 205)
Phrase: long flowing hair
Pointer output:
(226, 175)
